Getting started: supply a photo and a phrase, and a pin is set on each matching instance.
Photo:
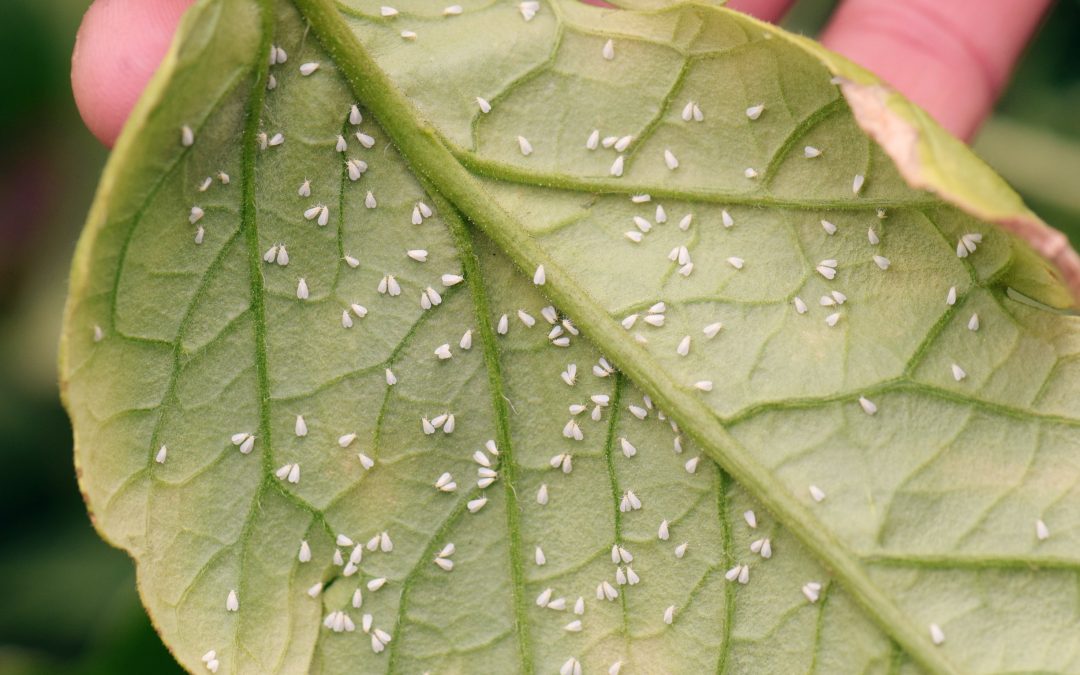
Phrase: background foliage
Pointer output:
(68, 600)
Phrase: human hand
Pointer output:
(952, 57)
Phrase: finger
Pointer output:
(952, 58)
(766, 10)
(119, 45)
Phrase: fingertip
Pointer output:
(953, 59)
(117, 48)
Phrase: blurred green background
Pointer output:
(67, 600)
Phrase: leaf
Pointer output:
(933, 448)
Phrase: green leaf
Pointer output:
(930, 481)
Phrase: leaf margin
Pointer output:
(131, 131)
(149, 102)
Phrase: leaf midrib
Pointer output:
(421, 145)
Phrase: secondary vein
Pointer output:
(508, 469)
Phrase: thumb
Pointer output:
(952, 58)
(118, 47)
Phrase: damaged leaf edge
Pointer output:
(931, 159)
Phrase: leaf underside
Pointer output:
(930, 506)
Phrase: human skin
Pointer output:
(952, 57)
